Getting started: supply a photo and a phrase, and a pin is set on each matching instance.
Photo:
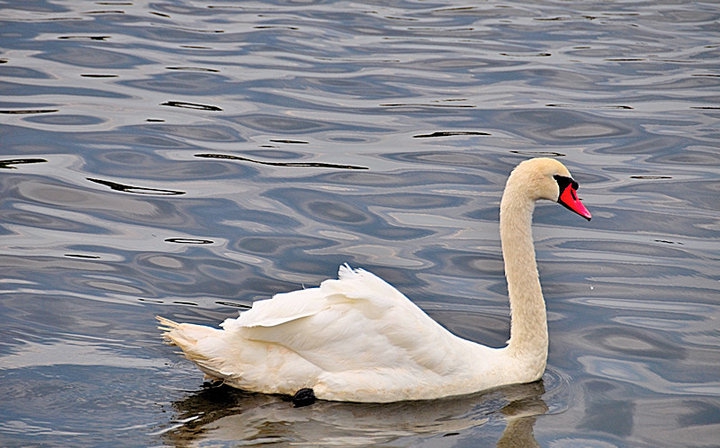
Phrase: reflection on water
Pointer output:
(226, 416)
(187, 158)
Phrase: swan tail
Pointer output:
(182, 335)
(195, 341)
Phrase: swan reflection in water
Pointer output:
(223, 415)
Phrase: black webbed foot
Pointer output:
(212, 383)
(303, 397)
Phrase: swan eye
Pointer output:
(564, 181)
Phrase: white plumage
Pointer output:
(358, 338)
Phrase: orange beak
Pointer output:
(569, 198)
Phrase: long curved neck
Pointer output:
(528, 327)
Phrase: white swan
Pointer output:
(360, 339)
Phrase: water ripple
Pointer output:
(187, 158)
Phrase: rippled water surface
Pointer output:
(186, 158)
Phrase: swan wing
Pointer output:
(356, 322)
(352, 285)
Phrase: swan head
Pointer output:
(546, 178)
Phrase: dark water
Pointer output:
(187, 158)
